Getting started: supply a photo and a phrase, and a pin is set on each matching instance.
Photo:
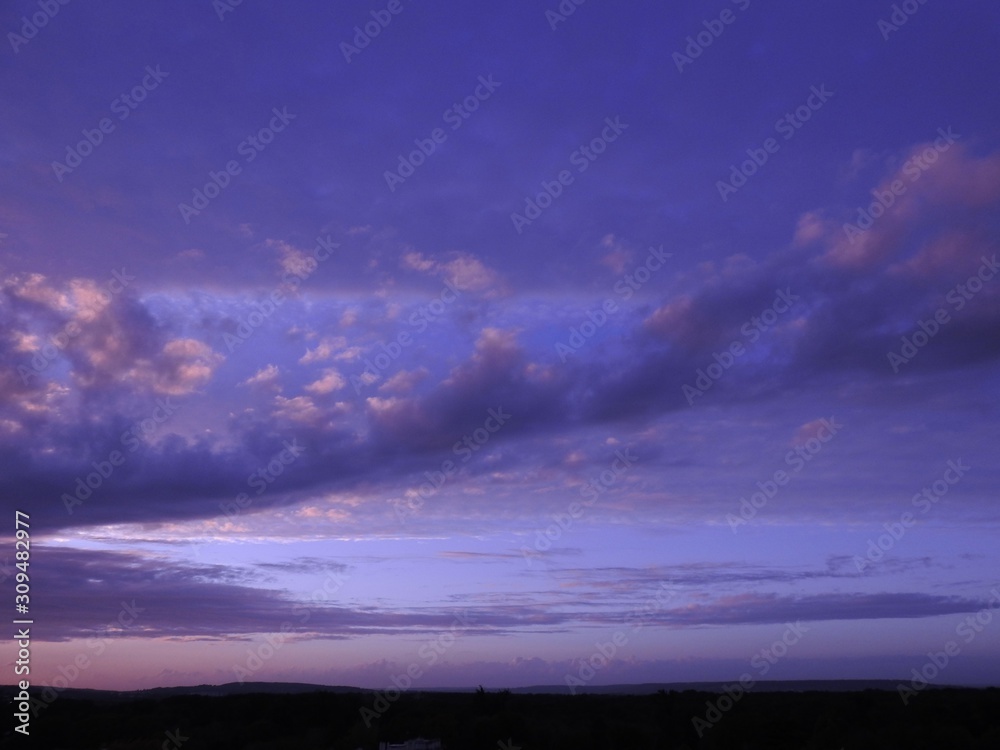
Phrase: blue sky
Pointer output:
(470, 348)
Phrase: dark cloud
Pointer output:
(84, 593)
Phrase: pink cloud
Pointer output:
(404, 381)
(937, 182)
(496, 353)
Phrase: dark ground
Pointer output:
(489, 720)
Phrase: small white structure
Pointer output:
(418, 744)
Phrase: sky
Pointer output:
(504, 344)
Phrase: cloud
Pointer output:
(675, 321)
(952, 249)
(330, 382)
(417, 262)
(86, 589)
(470, 274)
(618, 257)
(191, 254)
(293, 261)
(774, 608)
(33, 287)
(811, 227)
(462, 270)
(182, 367)
(405, 381)
(299, 409)
(861, 159)
(266, 378)
(815, 429)
(929, 193)
(326, 348)
(134, 346)
(105, 335)
(496, 355)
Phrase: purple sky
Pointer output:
(466, 347)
